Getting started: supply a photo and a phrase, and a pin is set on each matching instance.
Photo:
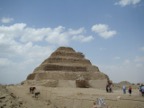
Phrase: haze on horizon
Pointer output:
(109, 33)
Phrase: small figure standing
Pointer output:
(107, 88)
(142, 89)
(111, 88)
(130, 90)
(124, 89)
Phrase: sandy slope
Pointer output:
(75, 97)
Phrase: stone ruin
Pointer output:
(67, 68)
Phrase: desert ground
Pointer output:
(18, 96)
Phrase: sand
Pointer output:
(67, 98)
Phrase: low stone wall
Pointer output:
(100, 84)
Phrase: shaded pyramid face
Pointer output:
(66, 64)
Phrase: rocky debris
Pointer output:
(9, 100)
(82, 82)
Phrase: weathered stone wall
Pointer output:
(64, 68)
(67, 60)
(92, 68)
(68, 68)
(68, 54)
(61, 75)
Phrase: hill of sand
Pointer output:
(19, 97)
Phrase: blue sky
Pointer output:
(110, 33)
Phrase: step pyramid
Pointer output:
(64, 67)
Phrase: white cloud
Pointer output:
(6, 20)
(78, 35)
(22, 48)
(87, 39)
(18, 39)
(103, 30)
(34, 35)
(83, 38)
(76, 32)
(58, 35)
(127, 2)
